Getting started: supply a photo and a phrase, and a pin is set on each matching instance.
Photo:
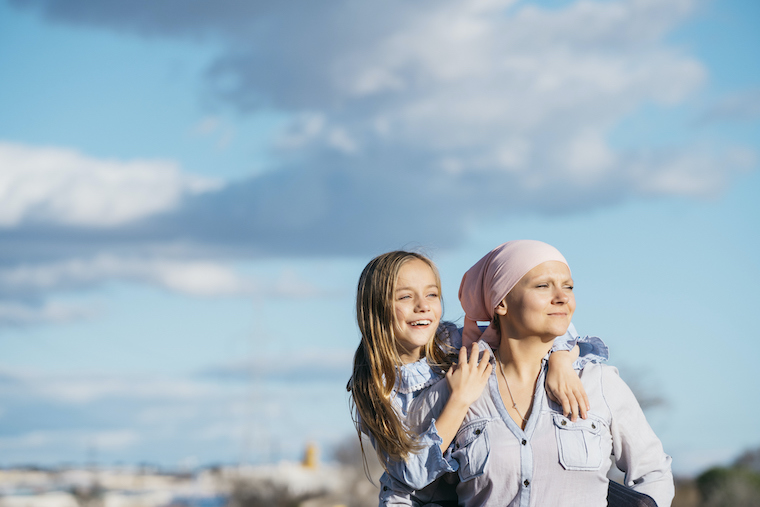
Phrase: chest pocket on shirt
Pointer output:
(579, 443)
(471, 449)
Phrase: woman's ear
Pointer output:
(501, 308)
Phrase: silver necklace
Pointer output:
(514, 405)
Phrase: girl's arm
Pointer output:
(562, 382)
(436, 418)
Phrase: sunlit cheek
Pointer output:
(398, 317)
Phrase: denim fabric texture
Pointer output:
(408, 481)
(555, 461)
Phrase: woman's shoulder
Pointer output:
(598, 372)
(604, 380)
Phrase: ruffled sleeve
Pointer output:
(425, 466)
(592, 348)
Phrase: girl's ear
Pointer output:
(501, 308)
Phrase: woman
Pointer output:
(515, 446)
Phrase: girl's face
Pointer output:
(417, 309)
(541, 304)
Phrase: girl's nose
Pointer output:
(422, 305)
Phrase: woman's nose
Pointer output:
(560, 296)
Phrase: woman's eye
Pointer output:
(542, 285)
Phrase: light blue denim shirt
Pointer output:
(406, 481)
(553, 461)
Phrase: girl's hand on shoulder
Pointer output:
(469, 377)
(563, 385)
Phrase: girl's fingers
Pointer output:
(463, 355)
(583, 402)
(573, 406)
(484, 361)
(474, 355)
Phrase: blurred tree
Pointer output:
(750, 459)
(737, 486)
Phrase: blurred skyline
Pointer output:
(189, 191)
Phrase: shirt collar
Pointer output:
(415, 376)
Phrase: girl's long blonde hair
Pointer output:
(377, 360)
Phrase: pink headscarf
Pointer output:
(486, 284)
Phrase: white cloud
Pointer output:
(23, 285)
(489, 104)
(195, 278)
(466, 87)
(83, 389)
(528, 90)
(23, 314)
(214, 127)
(102, 440)
(152, 417)
(700, 172)
(289, 367)
(62, 186)
(738, 106)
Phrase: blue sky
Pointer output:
(188, 195)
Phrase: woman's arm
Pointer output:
(637, 450)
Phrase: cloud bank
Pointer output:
(409, 122)
(165, 420)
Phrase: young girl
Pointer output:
(404, 350)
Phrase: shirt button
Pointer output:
(385, 488)
(526, 482)
(593, 426)
(477, 432)
(524, 442)
(563, 423)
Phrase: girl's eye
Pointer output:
(542, 285)
(405, 296)
(433, 295)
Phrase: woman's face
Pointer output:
(417, 309)
(541, 304)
